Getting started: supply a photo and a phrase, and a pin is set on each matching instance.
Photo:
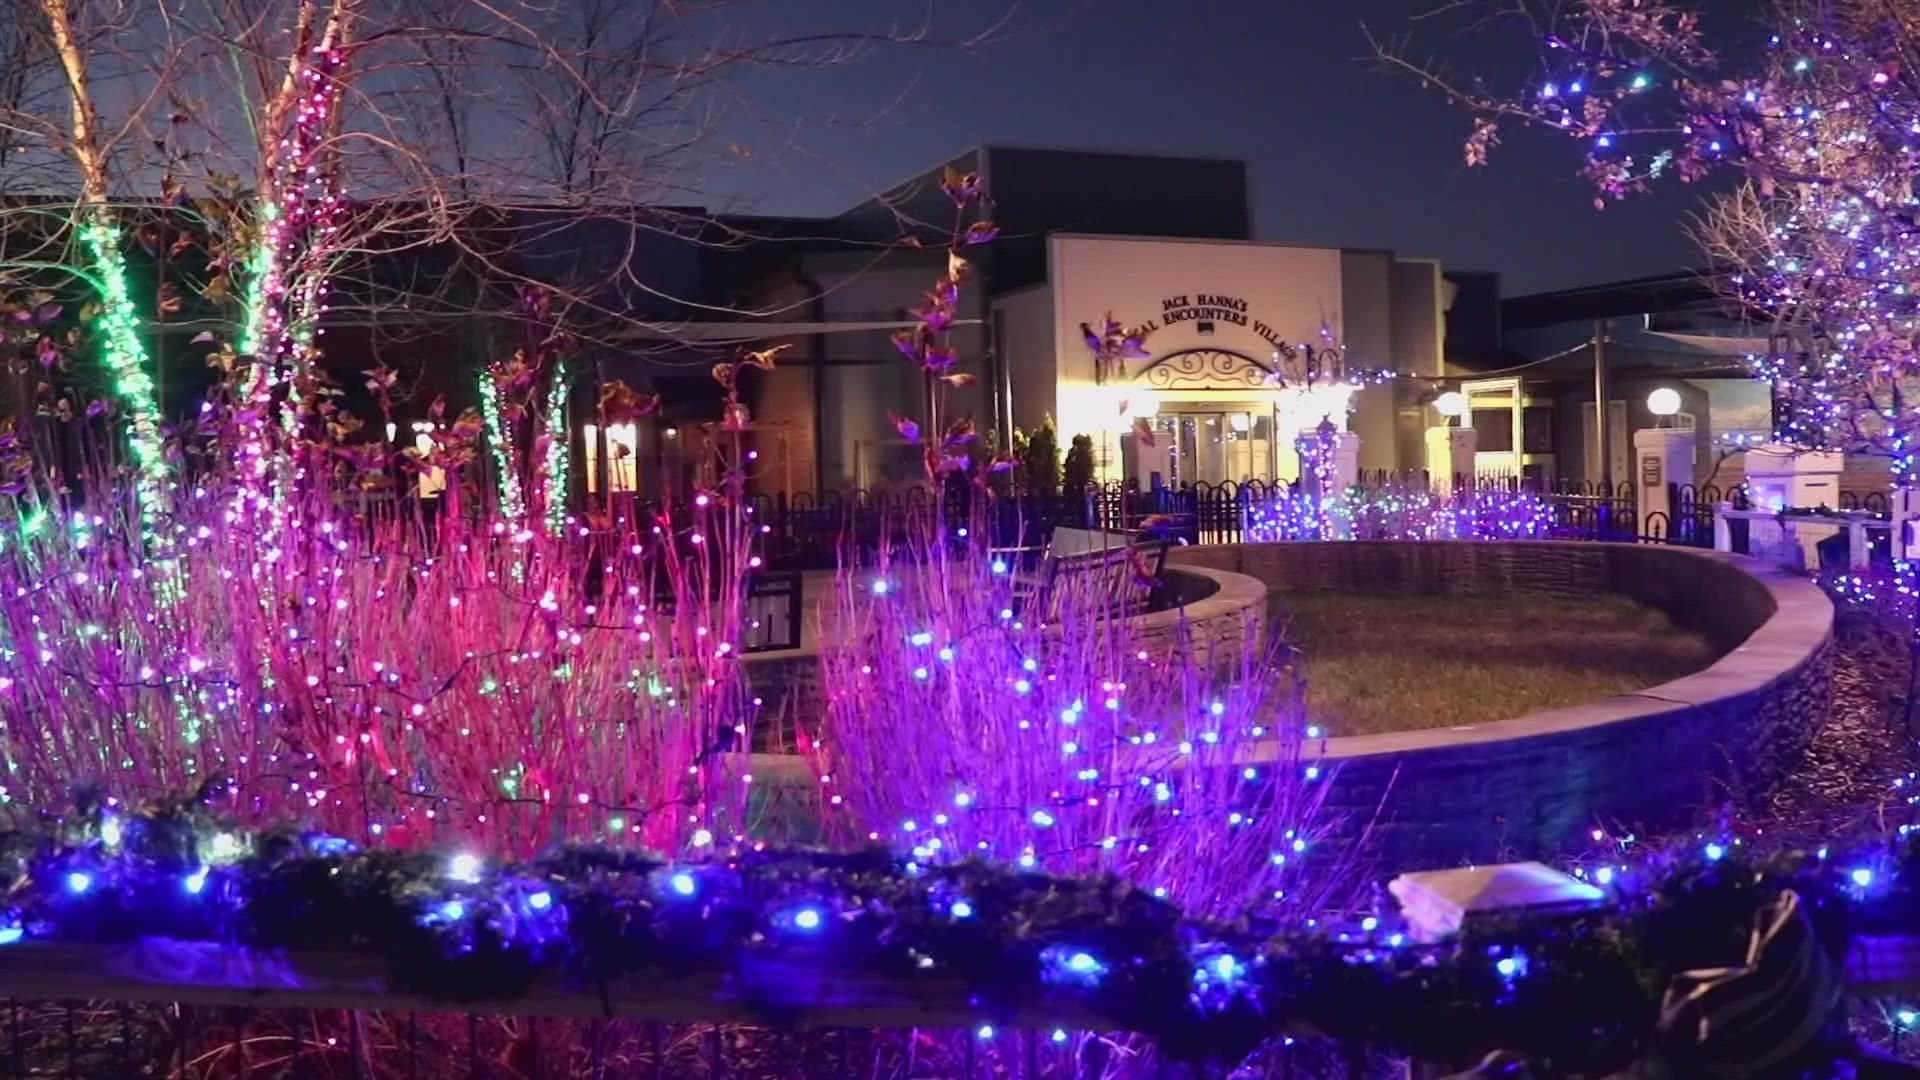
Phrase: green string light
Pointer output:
(559, 451)
(512, 505)
(126, 358)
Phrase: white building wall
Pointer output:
(1287, 294)
(1366, 283)
(866, 377)
(1025, 329)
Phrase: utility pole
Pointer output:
(1602, 414)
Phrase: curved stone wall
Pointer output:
(1536, 783)
(1220, 609)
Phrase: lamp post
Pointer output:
(1450, 445)
(1663, 458)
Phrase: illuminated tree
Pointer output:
(298, 152)
(1818, 116)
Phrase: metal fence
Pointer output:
(240, 1033)
(808, 531)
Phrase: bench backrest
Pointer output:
(1112, 577)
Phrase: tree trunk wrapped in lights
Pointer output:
(119, 322)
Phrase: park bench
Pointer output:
(1108, 571)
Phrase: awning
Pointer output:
(1706, 344)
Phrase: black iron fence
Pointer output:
(809, 531)
(104, 1022)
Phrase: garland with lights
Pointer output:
(1400, 514)
(1576, 992)
(513, 504)
(555, 482)
(126, 357)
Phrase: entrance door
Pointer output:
(1216, 446)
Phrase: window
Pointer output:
(623, 453)
(1493, 430)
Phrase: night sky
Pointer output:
(1343, 153)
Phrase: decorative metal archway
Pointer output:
(1206, 369)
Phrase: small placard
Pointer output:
(1650, 471)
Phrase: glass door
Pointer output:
(1216, 446)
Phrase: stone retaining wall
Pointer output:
(1220, 610)
(1535, 784)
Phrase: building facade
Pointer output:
(1158, 243)
(1532, 368)
(1249, 345)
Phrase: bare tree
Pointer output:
(302, 151)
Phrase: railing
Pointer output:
(813, 531)
(158, 1007)
(1802, 538)
(807, 531)
(182, 1009)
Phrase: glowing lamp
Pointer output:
(1453, 403)
(464, 867)
(1664, 401)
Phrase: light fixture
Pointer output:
(1452, 403)
(1664, 401)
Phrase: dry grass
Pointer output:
(1394, 663)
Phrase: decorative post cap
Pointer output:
(1437, 903)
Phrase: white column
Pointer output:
(1346, 462)
(1661, 456)
(1905, 503)
(1450, 453)
(1781, 477)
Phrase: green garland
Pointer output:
(1578, 994)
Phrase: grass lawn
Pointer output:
(1393, 663)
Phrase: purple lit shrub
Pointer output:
(957, 727)
(507, 690)
(1409, 513)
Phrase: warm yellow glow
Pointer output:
(623, 452)
(1299, 410)
(433, 479)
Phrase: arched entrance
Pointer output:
(1212, 414)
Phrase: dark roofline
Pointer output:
(985, 151)
(1686, 290)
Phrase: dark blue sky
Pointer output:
(1343, 153)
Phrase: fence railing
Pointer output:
(808, 531)
(817, 531)
(157, 1007)
(202, 1010)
